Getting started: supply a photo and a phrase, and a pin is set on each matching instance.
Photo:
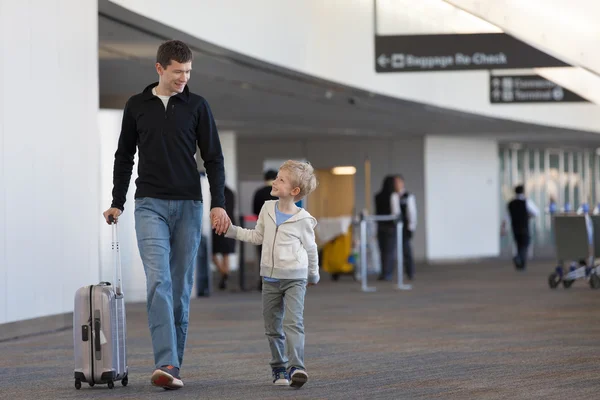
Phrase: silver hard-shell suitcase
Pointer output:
(99, 330)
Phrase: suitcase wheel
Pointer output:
(111, 385)
(567, 283)
(91, 384)
(125, 381)
(594, 281)
(77, 384)
(553, 280)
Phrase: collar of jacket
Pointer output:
(302, 214)
(185, 95)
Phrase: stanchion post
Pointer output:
(363, 255)
(400, 255)
(367, 184)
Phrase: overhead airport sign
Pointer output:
(509, 89)
(454, 52)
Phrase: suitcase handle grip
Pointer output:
(111, 219)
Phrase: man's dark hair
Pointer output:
(173, 50)
(270, 175)
(519, 189)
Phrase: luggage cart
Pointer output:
(595, 272)
(572, 236)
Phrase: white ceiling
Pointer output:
(257, 99)
(565, 29)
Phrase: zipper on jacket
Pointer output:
(273, 252)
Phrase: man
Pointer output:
(260, 196)
(403, 203)
(166, 122)
(520, 209)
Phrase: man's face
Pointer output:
(175, 76)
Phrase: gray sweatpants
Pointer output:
(283, 313)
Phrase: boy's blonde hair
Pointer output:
(303, 176)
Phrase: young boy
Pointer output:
(289, 261)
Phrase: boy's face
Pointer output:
(283, 187)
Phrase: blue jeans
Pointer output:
(283, 313)
(168, 234)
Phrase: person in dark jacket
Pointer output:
(386, 230)
(222, 245)
(520, 210)
(260, 197)
(167, 122)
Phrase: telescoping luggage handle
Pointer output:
(116, 255)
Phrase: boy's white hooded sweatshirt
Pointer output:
(289, 250)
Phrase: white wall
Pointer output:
(461, 190)
(3, 187)
(229, 146)
(333, 39)
(49, 155)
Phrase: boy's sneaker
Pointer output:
(299, 377)
(280, 377)
(167, 377)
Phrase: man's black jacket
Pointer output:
(167, 143)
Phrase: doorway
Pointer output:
(334, 196)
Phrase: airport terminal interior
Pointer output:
(450, 248)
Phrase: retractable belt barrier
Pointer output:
(364, 219)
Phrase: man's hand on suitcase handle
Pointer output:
(112, 212)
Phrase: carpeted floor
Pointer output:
(477, 331)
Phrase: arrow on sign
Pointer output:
(383, 60)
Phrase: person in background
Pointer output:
(386, 230)
(520, 210)
(260, 197)
(224, 246)
(403, 203)
(552, 206)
